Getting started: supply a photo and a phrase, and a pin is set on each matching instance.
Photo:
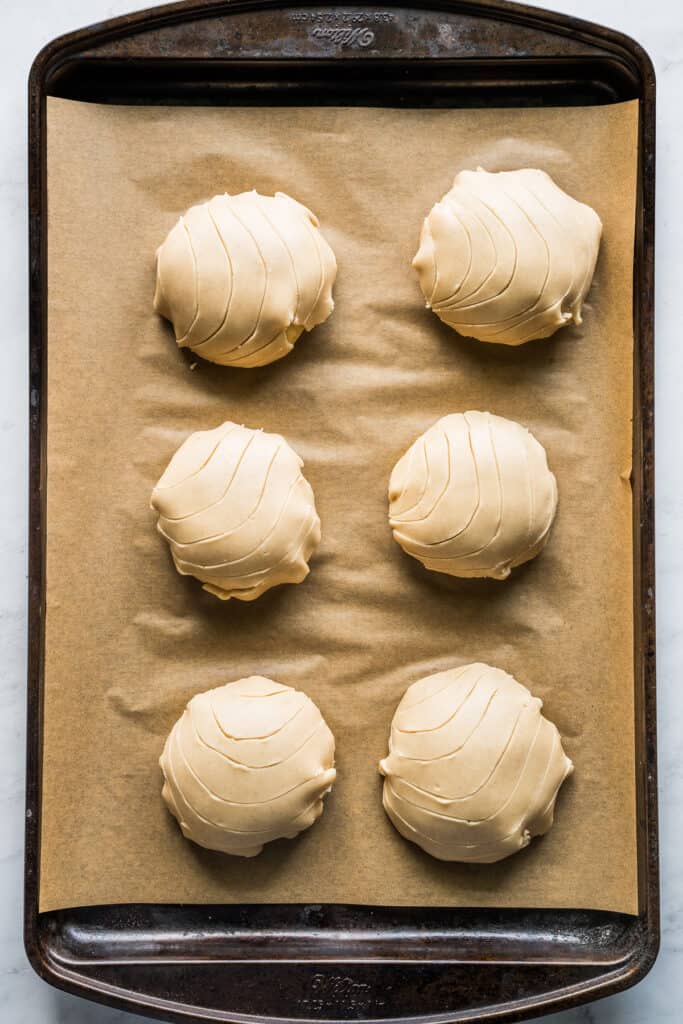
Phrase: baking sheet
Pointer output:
(128, 641)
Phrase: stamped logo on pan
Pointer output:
(345, 29)
(355, 994)
(345, 36)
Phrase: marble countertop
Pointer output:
(26, 26)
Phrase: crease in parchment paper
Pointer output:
(128, 640)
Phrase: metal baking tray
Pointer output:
(339, 963)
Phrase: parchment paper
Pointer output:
(129, 641)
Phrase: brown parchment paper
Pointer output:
(128, 641)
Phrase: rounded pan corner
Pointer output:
(54, 52)
(57, 49)
(641, 57)
(644, 961)
(80, 985)
(561, 1000)
(630, 974)
(558, 22)
(44, 967)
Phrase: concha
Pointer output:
(247, 763)
(473, 496)
(507, 257)
(237, 512)
(473, 768)
(241, 276)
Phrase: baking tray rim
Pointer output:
(633, 968)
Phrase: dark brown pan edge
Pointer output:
(320, 963)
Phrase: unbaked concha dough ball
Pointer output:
(240, 278)
(473, 768)
(507, 257)
(247, 763)
(237, 512)
(473, 496)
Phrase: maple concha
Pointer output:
(507, 257)
(473, 496)
(241, 276)
(474, 768)
(237, 512)
(247, 763)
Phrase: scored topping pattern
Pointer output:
(242, 276)
(473, 496)
(507, 257)
(237, 511)
(473, 768)
(247, 763)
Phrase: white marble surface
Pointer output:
(24, 26)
